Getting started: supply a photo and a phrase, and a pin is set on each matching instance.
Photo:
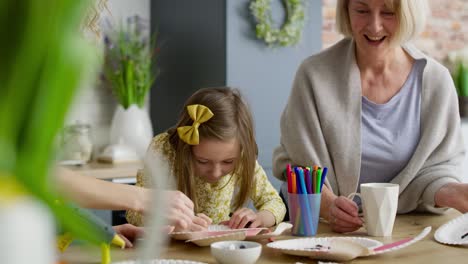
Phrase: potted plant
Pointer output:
(457, 62)
(461, 83)
(43, 63)
(129, 55)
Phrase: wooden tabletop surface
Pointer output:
(108, 171)
(426, 251)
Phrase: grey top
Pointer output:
(390, 131)
(321, 124)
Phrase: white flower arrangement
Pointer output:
(290, 33)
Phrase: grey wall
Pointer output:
(211, 43)
(264, 74)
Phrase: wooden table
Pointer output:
(426, 251)
(108, 171)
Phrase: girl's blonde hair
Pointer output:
(411, 15)
(232, 119)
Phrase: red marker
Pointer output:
(288, 177)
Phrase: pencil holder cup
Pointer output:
(304, 212)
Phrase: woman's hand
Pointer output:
(340, 212)
(200, 222)
(245, 218)
(180, 210)
(343, 215)
(180, 215)
(454, 195)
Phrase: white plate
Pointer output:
(214, 230)
(162, 261)
(279, 230)
(218, 228)
(452, 232)
(316, 247)
(206, 241)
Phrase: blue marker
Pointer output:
(305, 206)
(324, 175)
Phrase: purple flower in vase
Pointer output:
(129, 63)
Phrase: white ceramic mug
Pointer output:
(379, 203)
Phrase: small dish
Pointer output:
(206, 241)
(454, 232)
(161, 261)
(233, 252)
(316, 247)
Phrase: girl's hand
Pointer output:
(246, 218)
(241, 218)
(343, 215)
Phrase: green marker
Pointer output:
(319, 180)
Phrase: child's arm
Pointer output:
(266, 198)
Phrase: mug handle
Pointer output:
(351, 196)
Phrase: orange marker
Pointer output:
(293, 182)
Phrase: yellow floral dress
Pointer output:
(215, 199)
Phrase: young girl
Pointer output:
(212, 154)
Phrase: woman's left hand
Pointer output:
(454, 195)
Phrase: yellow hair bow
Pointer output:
(199, 114)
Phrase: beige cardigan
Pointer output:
(321, 125)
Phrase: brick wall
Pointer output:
(446, 28)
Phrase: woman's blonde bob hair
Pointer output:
(411, 15)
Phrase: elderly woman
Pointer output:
(373, 108)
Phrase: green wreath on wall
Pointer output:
(290, 32)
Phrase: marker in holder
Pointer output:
(304, 213)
